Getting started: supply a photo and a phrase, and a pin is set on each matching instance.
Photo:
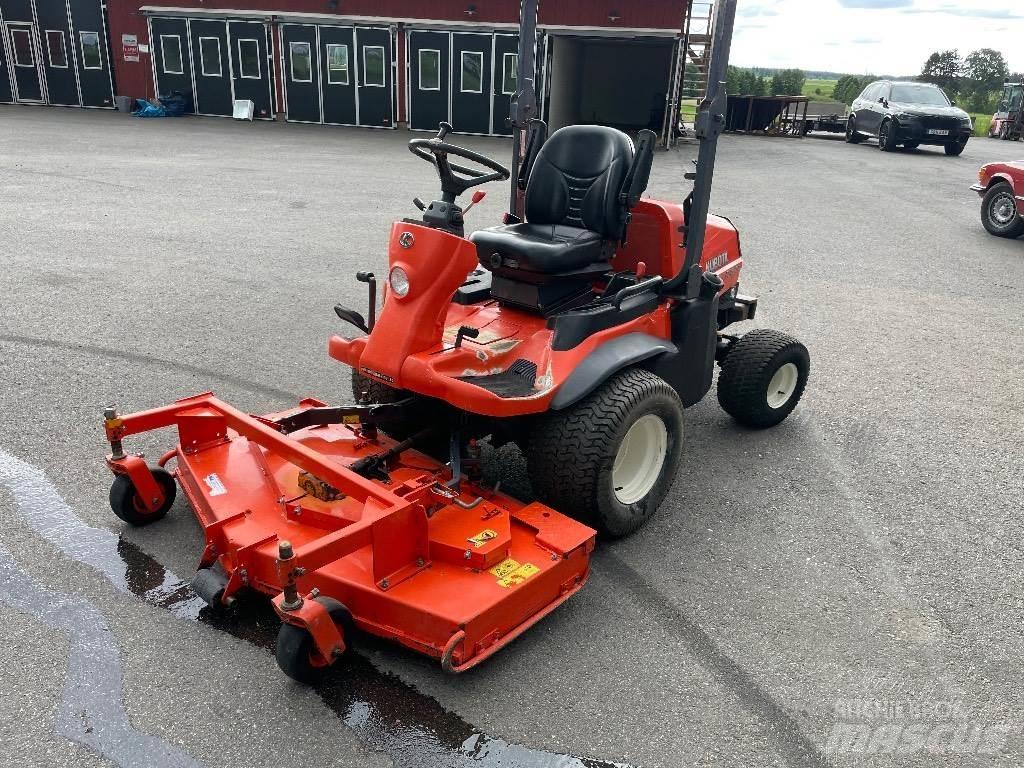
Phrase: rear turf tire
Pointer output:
(1000, 213)
(581, 463)
(763, 378)
(126, 504)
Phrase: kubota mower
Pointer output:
(579, 330)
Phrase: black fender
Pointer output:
(606, 360)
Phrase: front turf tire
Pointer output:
(581, 464)
(126, 504)
(763, 378)
(377, 392)
(1000, 213)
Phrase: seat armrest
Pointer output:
(639, 174)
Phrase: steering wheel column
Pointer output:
(455, 179)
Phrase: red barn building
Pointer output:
(379, 63)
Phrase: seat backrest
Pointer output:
(577, 179)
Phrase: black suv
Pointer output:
(908, 113)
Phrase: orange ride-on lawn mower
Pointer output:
(580, 330)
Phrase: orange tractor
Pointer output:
(580, 330)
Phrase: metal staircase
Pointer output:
(692, 67)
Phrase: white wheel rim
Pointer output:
(783, 385)
(640, 459)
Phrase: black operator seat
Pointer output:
(583, 182)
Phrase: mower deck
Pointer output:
(452, 573)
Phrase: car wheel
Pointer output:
(999, 212)
(887, 137)
(956, 148)
(852, 137)
(1004, 132)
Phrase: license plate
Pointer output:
(937, 132)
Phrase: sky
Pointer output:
(892, 37)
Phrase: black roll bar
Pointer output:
(524, 102)
(710, 123)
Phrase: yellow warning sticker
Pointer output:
(518, 576)
(504, 568)
(483, 537)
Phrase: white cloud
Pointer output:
(891, 37)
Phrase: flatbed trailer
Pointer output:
(834, 123)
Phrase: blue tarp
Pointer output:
(171, 105)
(145, 108)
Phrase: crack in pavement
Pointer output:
(138, 357)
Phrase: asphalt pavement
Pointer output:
(844, 589)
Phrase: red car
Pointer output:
(1001, 186)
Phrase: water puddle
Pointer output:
(386, 714)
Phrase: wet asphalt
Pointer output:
(865, 553)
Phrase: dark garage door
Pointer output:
(57, 54)
(465, 78)
(211, 67)
(301, 73)
(375, 82)
(506, 68)
(429, 67)
(250, 66)
(471, 82)
(6, 95)
(171, 59)
(91, 51)
(338, 75)
(21, 37)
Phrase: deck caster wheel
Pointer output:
(609, 460)
(297, 654)
(125, 502)
(209, 584)
(763, 378)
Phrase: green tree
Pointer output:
(793, 82)
(944, 68)
(849, 87)
(986, 71)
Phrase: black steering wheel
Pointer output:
(456, 179)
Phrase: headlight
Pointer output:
(399, 282)
(904, 118)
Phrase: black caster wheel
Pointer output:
(297, 654)
(126, 504)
